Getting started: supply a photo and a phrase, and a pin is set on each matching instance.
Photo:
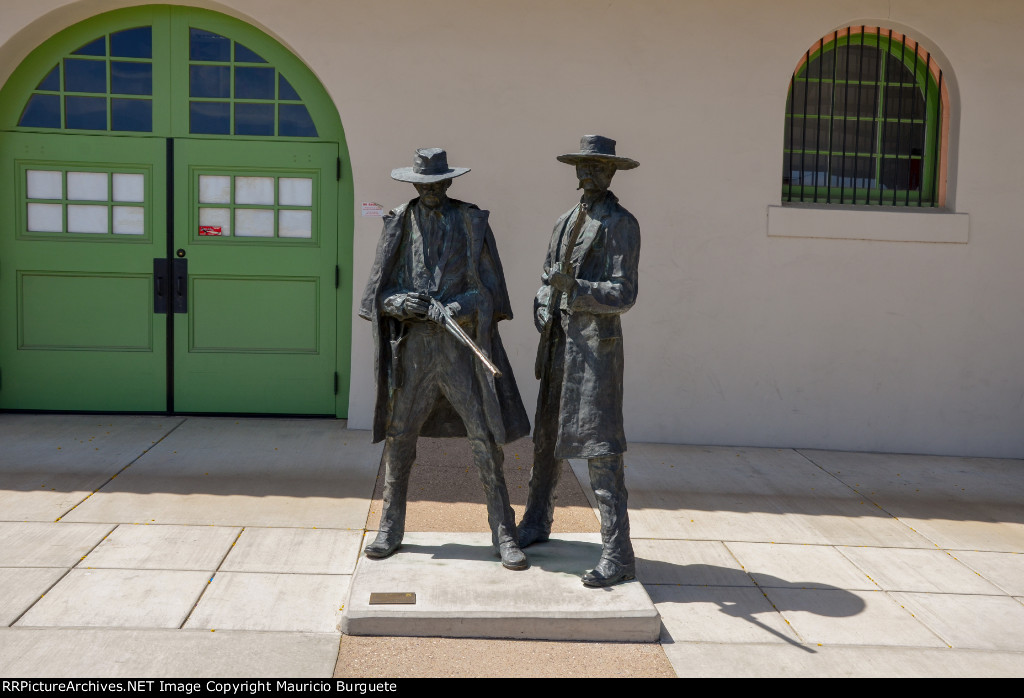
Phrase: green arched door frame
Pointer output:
(170, 112)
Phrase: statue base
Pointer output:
(461, 590)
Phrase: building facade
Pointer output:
(826, 198)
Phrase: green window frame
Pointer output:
(864, 120)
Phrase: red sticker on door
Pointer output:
(210, 230)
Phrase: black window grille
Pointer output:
(863, 122)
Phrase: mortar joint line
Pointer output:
(130, 464)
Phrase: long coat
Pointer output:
(605, 260)
(502, 405)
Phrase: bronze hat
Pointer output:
(430, 165)
(598, 148)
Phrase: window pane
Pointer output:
(246, 55)
(96, 47)
(295, 191)
(285, 89)
(859, 100)
(51, 81)
(209, 117)
(129, 220)
(896, 70)
(903, 138)
(254, 119)
(209, 81)
(254, 222)
(44, 184)
(87, 219)
(207, 46)
(818, 97)
(131, 115)
(254, 190)
(908, 102)
(901, 174)
(214, 219)
(131, 78)
(214, 189)
(254, 83)
(853, 135)
(132, 43)
(81, 75)
(295, 224)
(294, 120)
(858, 62)
(45, 218)
(86, 112)
(87, 186)
(129, 187)
(41, 111)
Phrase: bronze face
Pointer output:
(595, 175)
(433, 194)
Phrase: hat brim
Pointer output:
(620, 163)
(407, 174)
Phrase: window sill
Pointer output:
(866, 223)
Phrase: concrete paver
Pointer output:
(295, 550)
(690, 562)
(840, 617)
(159, 547)
(124, 653)
(22, 587)
(1005, 570)
(918, 570)
(718, 614)
(51, 462)
(736, 660)
(118, 598)
(272, 602)
(969, 621)
(245, 472)
(49, 544)
(746, 494)
(799, 566)
(463, 591)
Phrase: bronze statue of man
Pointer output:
(435, 295)
(590, 278)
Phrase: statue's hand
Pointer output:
(405, 306)
(434, 313)
(542, 318)
(562, 282)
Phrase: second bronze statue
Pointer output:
(589, 280)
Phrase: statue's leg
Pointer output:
(617, 563)
(540, 504)
(462, 389)
(409, 408)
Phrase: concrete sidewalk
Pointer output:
(174, 546)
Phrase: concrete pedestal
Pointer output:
(463, 591)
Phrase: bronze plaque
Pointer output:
(407, 597)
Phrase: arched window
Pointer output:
(865, 120)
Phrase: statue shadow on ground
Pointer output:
(726, 587)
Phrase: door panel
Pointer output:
(257, 223)
(86, 218)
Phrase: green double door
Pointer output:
(147, 274)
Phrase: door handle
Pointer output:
(160, 273)
(180, 270)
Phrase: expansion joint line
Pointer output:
(133, 462)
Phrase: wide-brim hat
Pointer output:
(598, 148)
(430, 165)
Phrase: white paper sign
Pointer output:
(372, 210)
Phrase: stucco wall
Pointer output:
(738, 337)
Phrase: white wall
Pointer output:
(737, 337)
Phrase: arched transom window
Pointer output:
(865, 117)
